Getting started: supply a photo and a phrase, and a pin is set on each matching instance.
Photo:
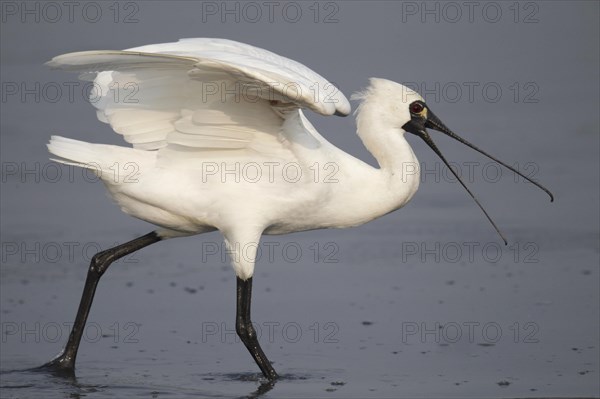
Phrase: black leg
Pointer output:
(244, 329)
(64, 363)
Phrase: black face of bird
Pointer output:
(422, 118)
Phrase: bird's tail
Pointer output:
(105, 160)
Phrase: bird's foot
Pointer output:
(270, 374)
(62, 366)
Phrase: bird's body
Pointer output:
(215, 155)
(220, 142)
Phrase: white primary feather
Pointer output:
(143, 91)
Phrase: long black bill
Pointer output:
(433, 122)
(417, 126)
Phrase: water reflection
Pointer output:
(60, 384)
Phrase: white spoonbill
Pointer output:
(220, 142)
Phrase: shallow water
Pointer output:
(424, 302)
(357, 328)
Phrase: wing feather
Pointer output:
(201, 97)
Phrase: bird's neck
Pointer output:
(386, 143)
(378, 191)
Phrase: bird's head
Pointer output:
(405, 109)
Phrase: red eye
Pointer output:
(416, 107)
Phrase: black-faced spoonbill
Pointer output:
(205, 112)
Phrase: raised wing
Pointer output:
(201, 94)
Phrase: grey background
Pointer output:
(154, 310)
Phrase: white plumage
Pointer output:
(196, 109)
(220, 141)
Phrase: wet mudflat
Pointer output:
(365, 325)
